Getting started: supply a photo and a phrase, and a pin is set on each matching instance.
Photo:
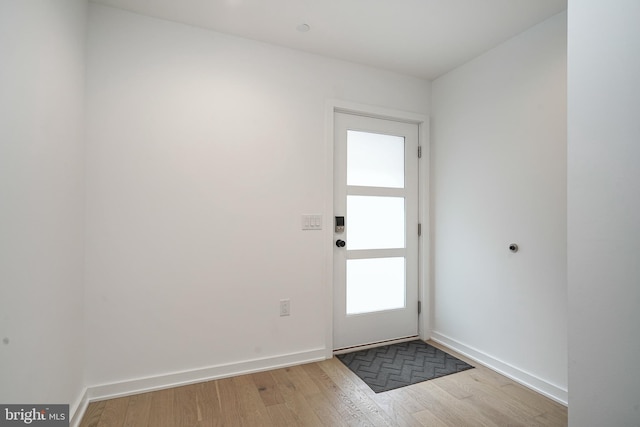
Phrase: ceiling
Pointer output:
(423, 38)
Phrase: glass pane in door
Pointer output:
(375, 284)
(375, 222)
(375, 160)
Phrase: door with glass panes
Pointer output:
(376, 251)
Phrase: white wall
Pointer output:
(203, 151)
(604, 213)
(41, 197)
(499, 176)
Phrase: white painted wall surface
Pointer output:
(604, 213)
(203, 151)
(41, 200)
(499, 177)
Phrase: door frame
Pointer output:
(424, 242)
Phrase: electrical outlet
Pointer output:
(285, 307)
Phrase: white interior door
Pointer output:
(376, 253)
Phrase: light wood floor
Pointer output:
(328, 394)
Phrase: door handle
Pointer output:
(340, 243)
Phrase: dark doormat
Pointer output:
(397, 365)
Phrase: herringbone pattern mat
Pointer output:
(393, 366)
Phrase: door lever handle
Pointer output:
(340, 243)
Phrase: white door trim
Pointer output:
(424, 244)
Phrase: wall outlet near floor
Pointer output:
(285, 307)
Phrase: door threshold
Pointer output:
(373, 345)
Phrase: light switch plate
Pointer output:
(312, 222)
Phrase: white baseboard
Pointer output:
(539, 385)
(175, 379)
(76, 410)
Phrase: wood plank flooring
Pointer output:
(328, 394)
